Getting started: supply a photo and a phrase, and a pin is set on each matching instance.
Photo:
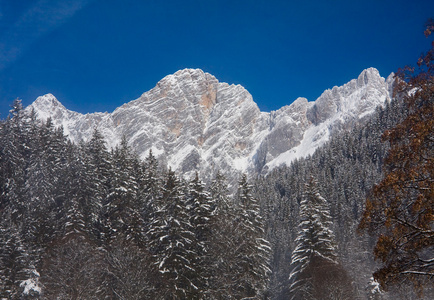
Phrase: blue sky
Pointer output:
(95, 55)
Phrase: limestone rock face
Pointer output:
(193, 122)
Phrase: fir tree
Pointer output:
(44, 168)
(252, 250)
(149, 186)
(96, 183)
(314, 259)
(15, 264)
(220, 193)
(122, 211)
(223, 240)
(201, 209)
(173, 243)
(14, 153)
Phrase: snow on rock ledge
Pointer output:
(196, 123)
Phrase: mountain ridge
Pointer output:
(193, 122)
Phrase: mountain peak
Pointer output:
(48, 99)
(187, 87)
(367, 75)
(48, 105)
(187, 76)
(196, 123)
(190, 71)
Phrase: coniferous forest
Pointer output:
(80, 221)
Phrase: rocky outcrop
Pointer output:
(196, 123)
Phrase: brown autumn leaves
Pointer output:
(400, 208)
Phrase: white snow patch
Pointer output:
(156, 151)
(178, 158)
(313, 138)
(32, 284)
(241, 164)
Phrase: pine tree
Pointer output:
(220, 193)
(75, 223)
(44, 199)
(122, 210)
(15, 264)
(96, 183)
(223, 240)
(14, 151)
(315, 270)
(201, 210)
(252, 250)
(79, 215)
(314, 239)
(201, 207)
(173, 243)
(149, 187)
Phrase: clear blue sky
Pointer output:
(96, 55)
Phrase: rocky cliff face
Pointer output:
(194, 122)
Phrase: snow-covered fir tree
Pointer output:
(202, 209)
(98, 169)
(223, 241)
(173, 244)
(121, 208)
(13, 159)
(220, 193)
(150, 183)
(15, 265)
(251, 266)
(314, 259)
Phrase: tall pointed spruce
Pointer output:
(172, 243)
(316, 273)
(252, 252)
(95, 189)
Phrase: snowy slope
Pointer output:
(194, 122)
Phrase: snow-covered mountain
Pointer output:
(194, 122)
